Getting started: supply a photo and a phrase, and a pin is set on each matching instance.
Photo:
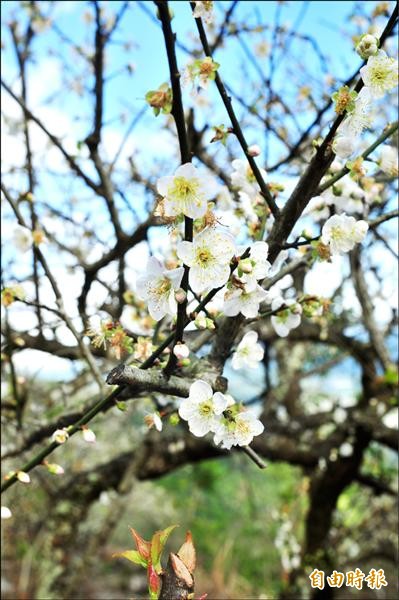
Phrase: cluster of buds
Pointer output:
(203, 322)
(161, 100)
(367, 46)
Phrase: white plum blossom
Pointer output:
(380, 75)
(289, 317)
(6, 512)
(208, 257)
(359, 118)
(254, 267)
(367, 46)
(389, 161)
(186, 192)
(246, 302)
(243, 178)
(204, 10)
(22, 238)
(60, 436)
(238, 430)
(249, 352)
(158, 287)
(202, 408)
(341, 233)
(344, 146)
(246, 205)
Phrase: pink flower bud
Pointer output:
(253, 150)
(181, 351)
(180, 296)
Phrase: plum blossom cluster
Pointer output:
(379, 75)
(213, 412)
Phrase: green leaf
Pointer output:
(133, 556)
(158, 542)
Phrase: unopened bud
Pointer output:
(23, 477)
(180, 296)
(210, 324)
(54, 469)
(253, 150)
(174, 419)
(367, 46)
(184, 362)
(181, 351)
(246, 265)
(5, 512)
(89, 436)
(200, 322)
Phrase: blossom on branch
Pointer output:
(237, 429)
(208, 257)
(380, 75)
(256, 266)
(248, 353)
(289, 317)
(157, 287)
(245, 301)
(341, 233)
(202, 408)
(243, 178)
(200, 73)
(186, 192)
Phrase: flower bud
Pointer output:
(367, 46)
(174, 419)
(60, 436)
(181, 351)
(253, 150)
(200, 322)
(246, 265)
(180, 296)
(5, 512)
(23, 477)
(89, 436)
(210, 324)
(54, 469)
